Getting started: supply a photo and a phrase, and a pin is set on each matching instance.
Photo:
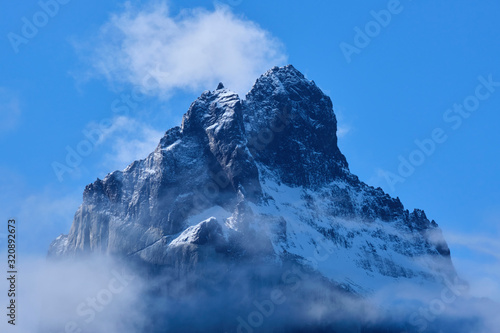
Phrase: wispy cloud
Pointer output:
(127, 140)
(96, 295)
(343, 127)
(478, 243)
(342, 131)
(10, 110)
(41, 215)
(150, 48)
(478, 261)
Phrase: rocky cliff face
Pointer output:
(263, 178)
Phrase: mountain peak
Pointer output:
(288, 70)
(254, 178)
(284, 96)
(286, 80)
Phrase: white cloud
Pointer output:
(483, 278)
(10, 111)
(47, 208)
(51, 292)
(342, 127)
(161, 53)
(478, 243)
(342, 131)
(483, 274)
(127, 140)
(41, 215)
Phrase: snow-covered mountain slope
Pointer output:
(258, 179)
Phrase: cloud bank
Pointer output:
(163, 53)
(101, 294)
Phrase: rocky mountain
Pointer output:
(259, 180)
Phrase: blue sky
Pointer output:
(77, 69)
